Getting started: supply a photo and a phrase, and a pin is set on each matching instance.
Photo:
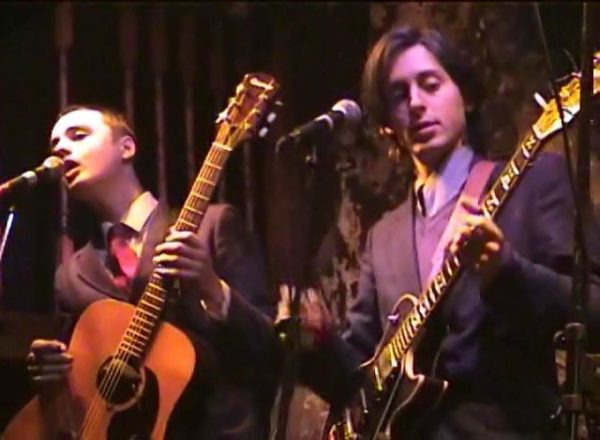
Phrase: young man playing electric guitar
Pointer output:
(493, 362)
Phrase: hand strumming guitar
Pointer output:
(48, 363)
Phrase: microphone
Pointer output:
(344, 113)
(51, 168)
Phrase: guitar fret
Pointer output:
(200, 196)
(150, 295)
(154, 302)
(207, 182)
(140, 329)
(222, 146)
(157, 287)
(133, 342)
(185, 222)
(401, 342)
(397, 348)
(155, 307)
(132, 350)
(129, 352)
(378, 382)
(193, 210)
(145, 312)
(406, 330)
(392, 356)
(128, 344)
(213, 165)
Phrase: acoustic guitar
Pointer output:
(129, 367)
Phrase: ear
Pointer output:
(128, 148)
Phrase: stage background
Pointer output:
(316, 51)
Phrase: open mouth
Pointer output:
(71, 169)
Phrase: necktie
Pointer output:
(122, 260)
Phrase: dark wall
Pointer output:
(320, 47)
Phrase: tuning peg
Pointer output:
(271, 117)
(263, 132)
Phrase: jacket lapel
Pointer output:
(157, 228)
(91, 271)
(401, 250)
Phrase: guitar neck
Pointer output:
(153, 300)
(402, 340)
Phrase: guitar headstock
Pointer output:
(249, 112)
(570, 94)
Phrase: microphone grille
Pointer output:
(350, 109)
(54, 165)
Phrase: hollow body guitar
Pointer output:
(129, 367)
(396, 391)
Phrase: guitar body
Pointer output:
(391, 404)
(141, 404)
(393, 414)
(417, 395)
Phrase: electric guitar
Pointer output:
(394, 394)
(129, 367)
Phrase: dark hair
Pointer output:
(384, 52)
(115, 119)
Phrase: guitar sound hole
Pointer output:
(118, 382)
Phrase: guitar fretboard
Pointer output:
(153, 300)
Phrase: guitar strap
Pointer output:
(473, 189)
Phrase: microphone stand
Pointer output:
(288, 330)
(5, 234)
(576, 330)
(573, 337)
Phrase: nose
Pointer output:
(415, 99)
(62, 149)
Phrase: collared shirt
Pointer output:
(444, 185)
(136, 217)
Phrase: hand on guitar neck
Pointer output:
(185, 256)
(480, 241)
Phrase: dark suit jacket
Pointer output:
(237, 404)
(498, 343)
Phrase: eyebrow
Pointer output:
(420, 75)
(54, 141)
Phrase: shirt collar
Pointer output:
(445, 184)
(137, 214)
